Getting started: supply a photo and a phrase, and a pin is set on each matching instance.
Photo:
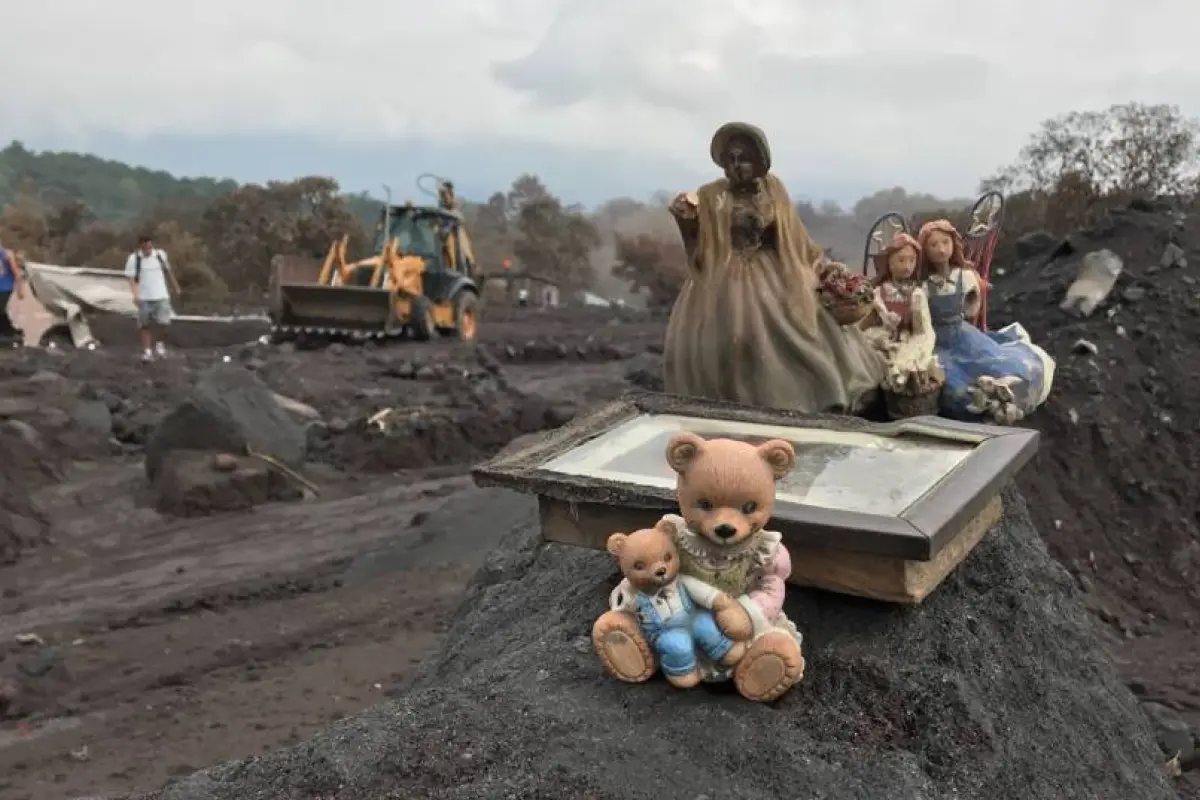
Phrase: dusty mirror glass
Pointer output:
(861, 472)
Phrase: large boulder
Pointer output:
(996, 687)
(228, 410)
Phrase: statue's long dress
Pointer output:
(747, 326)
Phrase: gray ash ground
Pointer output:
(124, 631)
(995, 688)
(217, 638)
(1113, 488)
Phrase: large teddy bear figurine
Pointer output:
(726, 493)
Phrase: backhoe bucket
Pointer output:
(315, 308)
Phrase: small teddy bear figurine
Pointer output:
(659, 615)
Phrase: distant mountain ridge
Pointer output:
(114, 191)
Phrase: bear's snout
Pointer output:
(725, 531)
(661, 572)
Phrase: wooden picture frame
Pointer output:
(927, 489)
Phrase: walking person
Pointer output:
(11, 282)
(150, 280)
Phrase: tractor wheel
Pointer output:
(421, 321)
(57, 337)
(466, 316)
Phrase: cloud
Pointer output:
(850, 94)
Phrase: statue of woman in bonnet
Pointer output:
(747, 326)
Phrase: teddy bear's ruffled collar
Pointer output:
(760, 547)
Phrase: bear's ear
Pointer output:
(616, 543)
(779, 455)
(665, 526)
(682, 451)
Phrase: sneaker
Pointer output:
(160, 349)
(147, 355)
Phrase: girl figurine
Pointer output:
(1000, 375)
(904, 330)
(895, 285)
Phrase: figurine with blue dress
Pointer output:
(994, 376)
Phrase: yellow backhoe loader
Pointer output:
(420, 282)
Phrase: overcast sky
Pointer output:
(600, 96)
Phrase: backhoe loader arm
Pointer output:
(405, 273)
(384, 265)
(468, 250)
(335, 259)
(449, 251)
(342, 266)
(323, 277)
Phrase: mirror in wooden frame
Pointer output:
(879, 510)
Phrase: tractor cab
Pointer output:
(436, 235)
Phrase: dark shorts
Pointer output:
(6, 326)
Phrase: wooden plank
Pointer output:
(589, 525)
(893, 580)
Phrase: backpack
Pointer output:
(137, 265)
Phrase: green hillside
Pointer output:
(113, 191)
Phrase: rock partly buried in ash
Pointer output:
(206, 454)
(228, 410)
(994, 688)
(24, 467)
(192, 484)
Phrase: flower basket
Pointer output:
(849, 312)
(919, 394)
(845, 295)
(903, 405)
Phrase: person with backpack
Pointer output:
(11, 282)
(151, 279)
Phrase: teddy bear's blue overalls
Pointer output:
(675, 640)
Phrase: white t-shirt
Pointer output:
(152, 284)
